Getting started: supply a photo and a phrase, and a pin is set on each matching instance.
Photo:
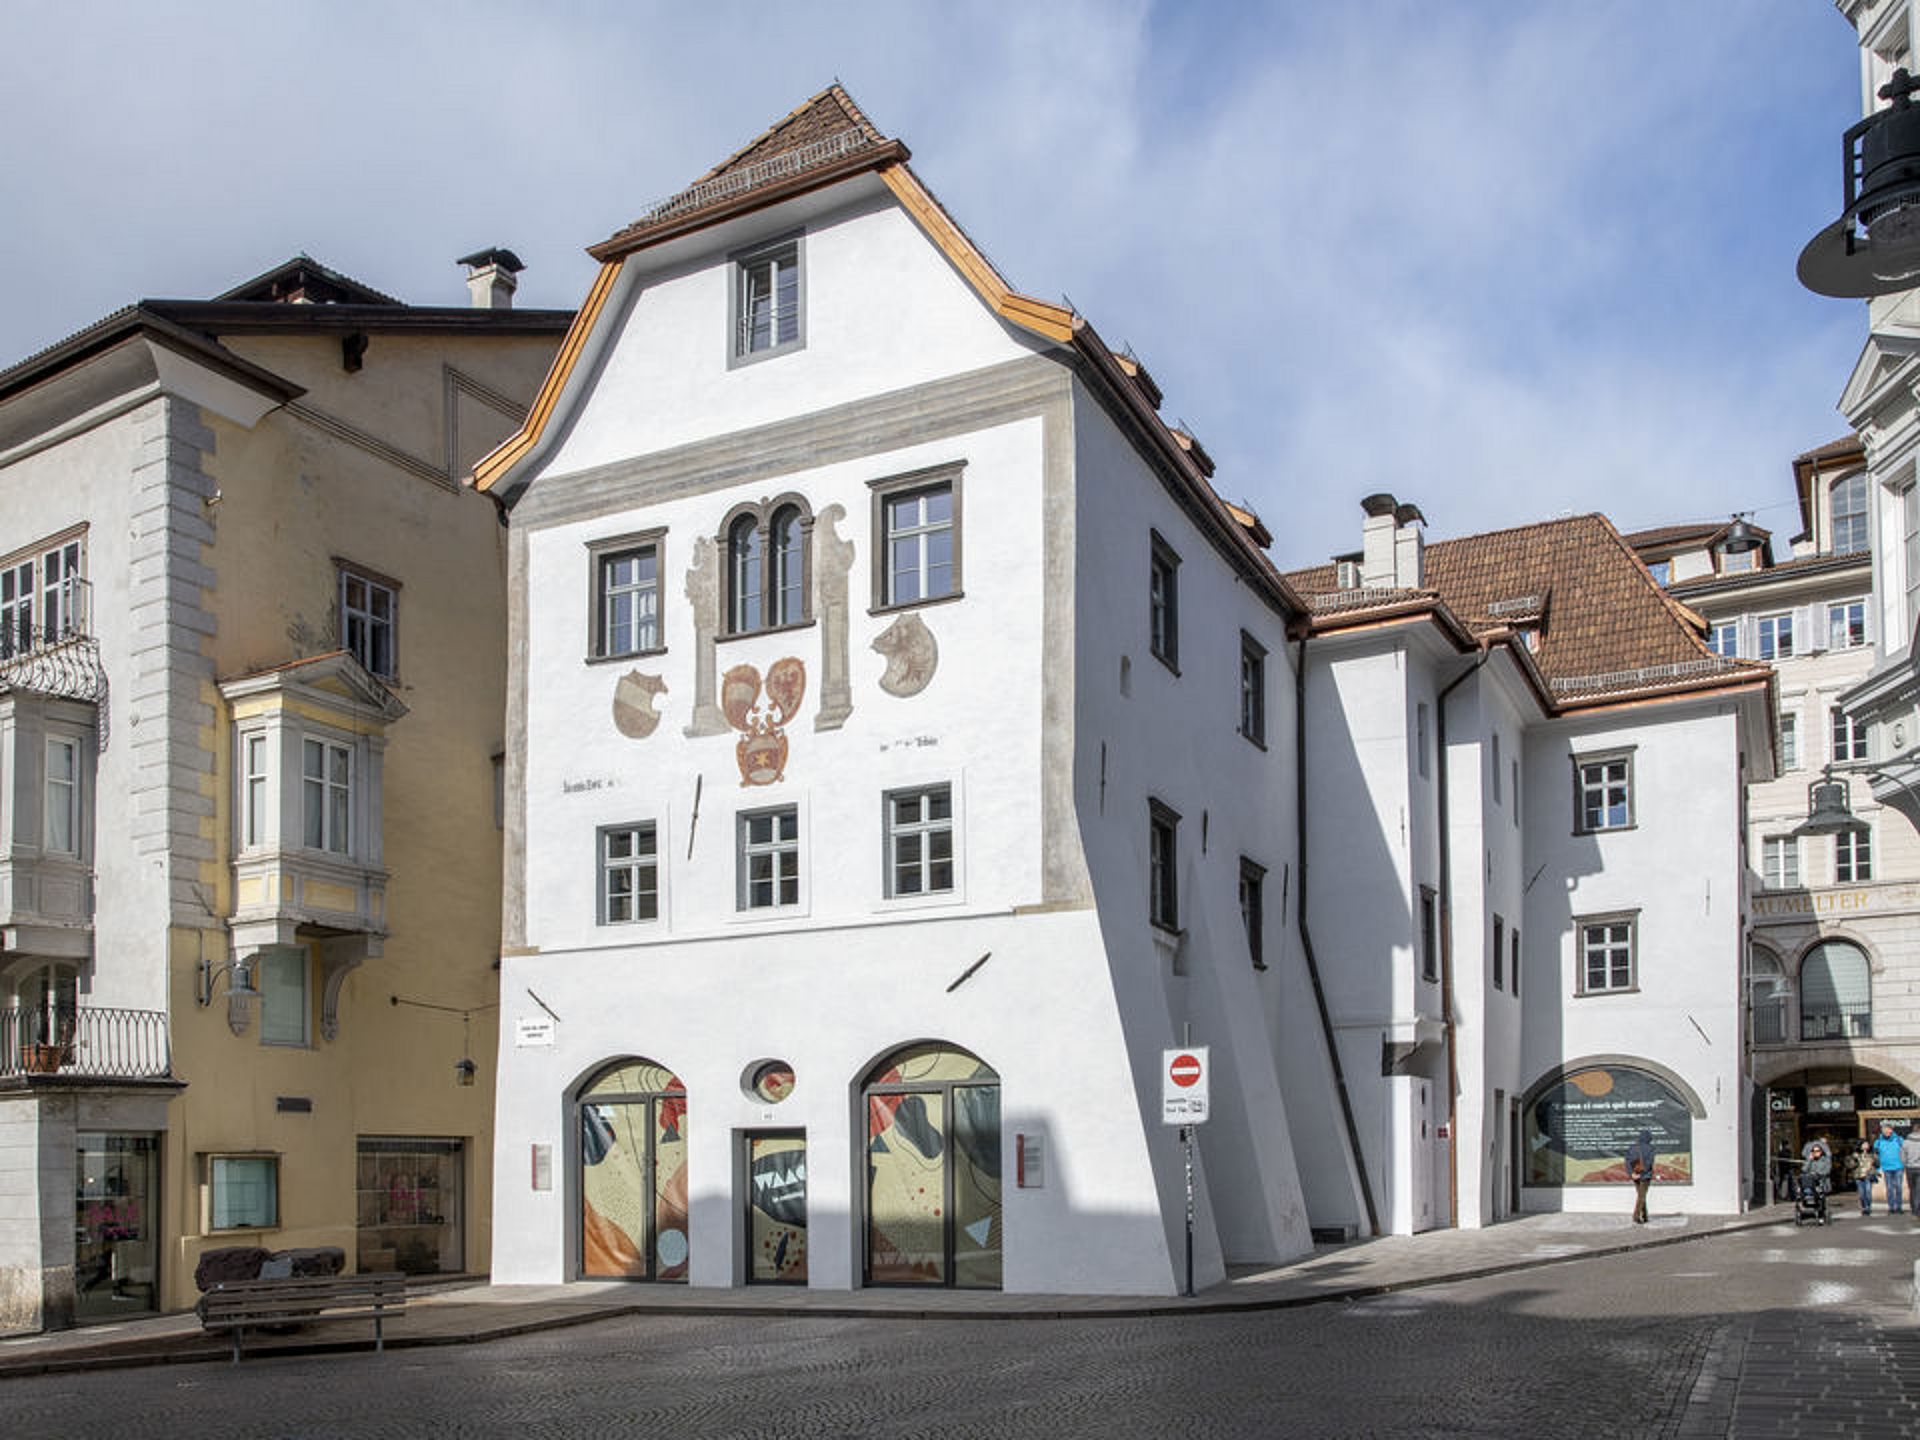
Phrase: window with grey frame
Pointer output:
(920, 851)
(769, 859)
(1163, 603)
(1253, 910)
(626, 595)
(769, 565)
(769, 296)
(916, 524)
(1163, 894)
(629, 873)
(369, 619)
(1253, 689)
(1602, 792)
(63, 795)
(1607, 958)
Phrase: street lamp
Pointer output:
(1874, 247)
(1827, 810)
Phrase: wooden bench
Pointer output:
(240, 1305)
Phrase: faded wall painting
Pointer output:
(762, 748)
(912, 656)
(633, 712)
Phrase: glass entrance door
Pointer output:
(933, 1170)
(777, 1208)
(633, 1175)
(115, 1246)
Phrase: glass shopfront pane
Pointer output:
(115, 1245)
(670, 1188)
(777, 1209)
(613, 1191)
(410, 1195)
(906, 1189)
(976, 1186)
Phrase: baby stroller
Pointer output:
(1810, 1198)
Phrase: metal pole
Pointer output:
(1186, 1134)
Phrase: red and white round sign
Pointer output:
(1185, 1070)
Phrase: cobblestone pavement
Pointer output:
(1767, 1332)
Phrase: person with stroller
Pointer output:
(1862, 1166)
(1816, 1178)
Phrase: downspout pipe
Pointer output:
(1446, 932)
(1306, 942)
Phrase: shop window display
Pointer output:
(409, 1197)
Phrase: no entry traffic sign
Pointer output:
(1183, 1085)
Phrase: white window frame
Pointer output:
(1847, 624)
(336, 834)
(925, 832)
(370, 637)
(637, 869)
(786, 328)
(1609, 938)
(63, 796)
(256, 789)
(1846, 735)
(1856, 485)
(1789, 740)
(1723, 638)
(1774, 635)
(1853, 857)
(1780, 862)
(783, 853)
(1602, 784)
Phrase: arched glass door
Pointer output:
(633, 1174)
(933, 1170)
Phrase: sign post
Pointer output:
(1184, 1102)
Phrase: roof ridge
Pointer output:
(835, 92)
(1682, 616)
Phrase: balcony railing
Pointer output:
(65, 613)
(90, 1042)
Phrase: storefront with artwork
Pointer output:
(1580, 1123)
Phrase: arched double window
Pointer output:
(1836, 993)
(769, 565)
(633, 1174)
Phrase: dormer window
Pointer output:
(767, 300)
(1848, 509)
(1346, 575)
(1733, 562)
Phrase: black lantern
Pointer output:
(1827, 810)
(1740, 537)
(1874, 247)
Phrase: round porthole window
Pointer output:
(771, 1081)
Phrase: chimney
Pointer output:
(1392, 548)
(490, 277)
(1409, 547)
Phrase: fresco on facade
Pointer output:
(912, 656)
(933, 1171)
(633, 712)
(632, 1122)
(777, 1208)
(832, 559)
(1579, 1128)
(762, 748)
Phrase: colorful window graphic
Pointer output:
(933, 1170)
(633, 1175)
(1579, 1128)
(777, 1209)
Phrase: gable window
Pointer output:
(629, 874)
(916, 522)
(1849, 736)
(1603, 793)
(1789, 741)
(1429, 935)
(1780, 862)
(1253, 689)
(1606, 954)
(1724, 638)
(1734, 561)
(769, 859)
(1253, 915)
(1852, 857)
(919, 841)
(767, 299)
(769, 565)
(1776, 636)
(63, 795)
(1846, 624)
(1163, 604)
(1163, 898)
(1499, 953)
(284, 977)
(326, 804)
(368, 609)
(626, 595)
(1850, 513)
(43, 597)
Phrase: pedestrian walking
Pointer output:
(1910, 1153)
(1893, 1165)
(1861, 1168)
(1640, 1171)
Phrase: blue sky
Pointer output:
(1507, 261)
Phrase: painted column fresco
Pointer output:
(633, 1175)
(703, 598)
(832, 559)
(933, 1171)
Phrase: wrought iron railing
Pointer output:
(65, 613)
(90, 1041)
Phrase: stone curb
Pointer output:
(196, 1350)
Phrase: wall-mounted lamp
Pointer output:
(1828, 812)
(240, 986)
(1874, 247)
(464, 1071)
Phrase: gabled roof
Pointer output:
(304, 280)
(1604, 629)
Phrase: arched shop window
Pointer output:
(1836, 993)
(1580, 1123)
(633, 1174)
(933, 1170)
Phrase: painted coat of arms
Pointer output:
(762, 748)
